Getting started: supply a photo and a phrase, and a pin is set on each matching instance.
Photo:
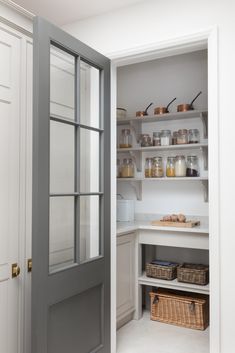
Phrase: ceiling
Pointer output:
(61, 12)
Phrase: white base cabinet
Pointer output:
(125, 278)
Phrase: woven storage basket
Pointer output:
(180, 308)
(190, 273)
(163, 272)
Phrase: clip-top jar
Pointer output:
(180, 166)
(157, 168)
(157, 138)
(194, 136)
(125, 139)
(170, 167)
(165, 137)
(127, 170)
(192, 166)
(182, 137)
(145, 140)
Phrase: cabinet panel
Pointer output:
(125, 276)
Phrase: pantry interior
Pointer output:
(158, 81)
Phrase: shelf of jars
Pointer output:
(187, 146)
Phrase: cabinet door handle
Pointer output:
(29, 265)
(15, 270)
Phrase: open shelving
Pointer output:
(174, 284)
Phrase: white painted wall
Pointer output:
(159, 81)
(152, 21)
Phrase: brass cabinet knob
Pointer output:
(15, 270)
(29, 265)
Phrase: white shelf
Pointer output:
(188, 287)
(164, 117)
(171, 179)
(164, 148)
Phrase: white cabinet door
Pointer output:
(9, 189)
(125, 277)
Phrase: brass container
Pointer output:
(163, 110)
(184, 107)
(141, 113)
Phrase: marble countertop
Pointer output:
(145, 224)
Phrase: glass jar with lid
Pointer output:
(182, 137)
(174, 137)
(157, 167)
(192, 166)
(157, 138)
(148, 168)
(180, 166)
(125, 139)
(145, 140)
(165, 137)
(127, 169)
(194, 136)
(170, 167)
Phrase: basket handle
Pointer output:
(155, 300)
(192, 307)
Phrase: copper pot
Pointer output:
(143, 112)
(163, 110)
(187, 107)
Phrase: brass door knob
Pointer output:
(29, 265)
(15, 270)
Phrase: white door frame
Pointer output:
(195, 41)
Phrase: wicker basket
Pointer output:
(190, 273)
(180, 308)
(162, 272)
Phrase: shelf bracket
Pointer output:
(206, 190)
(137, 186)
(204, 119)
(205, 157)
(136, 156)
(136, 130)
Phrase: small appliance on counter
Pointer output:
(125, 210)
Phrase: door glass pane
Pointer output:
(62, 83)
(62, 147)
(89, 160)
(89, 95)
(89, 227)
(61, 243)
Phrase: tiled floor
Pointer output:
(146, 336)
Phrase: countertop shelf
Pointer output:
(165, 179)
(164, 148)
(164, 117)
(148, 281)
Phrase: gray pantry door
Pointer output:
(71, 195)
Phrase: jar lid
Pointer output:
(156, 133)
(121, 109)
(157, 158)
(171, 158)
(148, 159)
(126, 131)
(195, 131)
(183, 131)
(192, 157)
(166, 131)
(180, 157)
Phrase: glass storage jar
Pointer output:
(127, 170)
(165, 137)
(192, 166)
(125, 139)
(180, 166)
(145, 140)
(170, 167)
(157, 138)
(157, 168)
(174, 137)
(194, 136)
(182, 137)
(148, 168)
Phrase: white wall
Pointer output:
(152, 21)
(159, 81)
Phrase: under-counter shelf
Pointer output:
(154, 282)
